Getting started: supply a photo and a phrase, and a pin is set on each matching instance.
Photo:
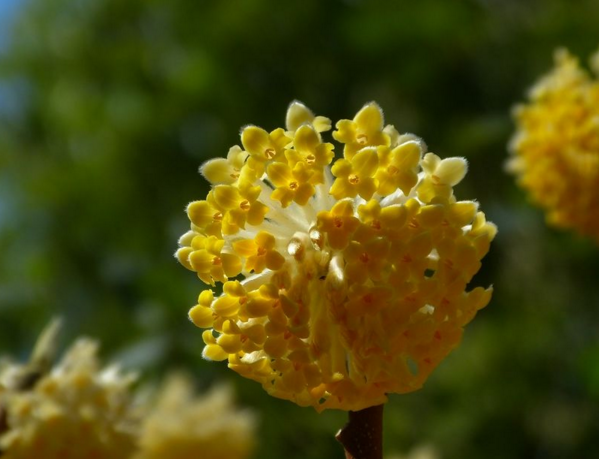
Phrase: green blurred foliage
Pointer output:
(108, 107)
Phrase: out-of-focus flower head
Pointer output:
(340, 284)
(75, 410)
(555, 150)
(418, 452)
(183, 426)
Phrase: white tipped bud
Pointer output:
(451, 171)
(298, 114)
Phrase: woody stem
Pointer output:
(362, 436)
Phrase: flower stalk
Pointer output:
(362, 436)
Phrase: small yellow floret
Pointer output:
(398, 167)
(291, 184)
(263, 147)
(366, 129)
(221, 170)
(356, 177)
(299, 115)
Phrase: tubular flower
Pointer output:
(75, 411)
(352, 284)
(181, 425)
(555, 151)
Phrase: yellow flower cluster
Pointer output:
(341, 283)
(76, 411)
(555, 151)
(182, 426)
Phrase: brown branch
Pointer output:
(362, 436)
(3, 424)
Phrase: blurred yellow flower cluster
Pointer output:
(418, 452)
(79, 410)
(183, 426)
(341, 283)
(555, 151)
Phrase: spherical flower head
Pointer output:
(181, 425)
(77, 411)
(348, 281)
(555, 150)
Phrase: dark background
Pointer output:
(108, 107)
